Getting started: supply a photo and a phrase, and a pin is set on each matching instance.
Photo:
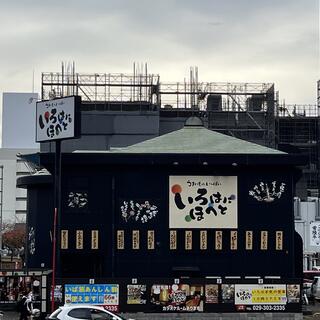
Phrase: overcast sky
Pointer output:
(231, 40)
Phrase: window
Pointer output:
(101, 315)
(80, 313)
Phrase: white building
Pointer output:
(18, 136)
(13, 200)
(19, 120)
(307, 224)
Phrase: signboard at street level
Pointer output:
(58, 119)
(106, 295)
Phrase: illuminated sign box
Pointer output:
(58, 119)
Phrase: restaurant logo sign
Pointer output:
(58, 119)
(203, 202)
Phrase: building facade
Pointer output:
(186, 208)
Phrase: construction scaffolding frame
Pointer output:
(249, 111)
(243, 110)
(298, 129)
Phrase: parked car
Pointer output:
(80, 311)
(310, 274)
(308, 280)
(315, 288)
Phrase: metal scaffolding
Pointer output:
(249, 111)
(298, 130)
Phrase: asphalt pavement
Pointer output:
(312, 311)
(10, 315)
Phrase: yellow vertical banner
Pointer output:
(173, 239)
(135, 239)
(249, 240)
(233, 240)
(150, 239)
(120, 239)
(79, 239)
(264, 240)
(64, 239)
(203, 240)
(218, 244)
(279, 240)
(94, 239)
(188, 240)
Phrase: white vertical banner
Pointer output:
(315, 233)
(203, 202)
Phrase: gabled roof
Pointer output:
(194, 138)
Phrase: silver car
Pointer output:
(315, 288)
(83, 312)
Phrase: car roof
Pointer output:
(82, 305)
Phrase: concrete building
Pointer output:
(18, 137)
(18, 120)
(13, 199)
(307, 224)
(176, 213)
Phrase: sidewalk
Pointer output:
(10, 315)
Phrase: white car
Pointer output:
(84, 312)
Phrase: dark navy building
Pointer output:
(189, 203)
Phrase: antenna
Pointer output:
(33, 80)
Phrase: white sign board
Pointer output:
(203, 202)
(314, 233)
(248, 294)
(55, 119)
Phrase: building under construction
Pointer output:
(123, 109)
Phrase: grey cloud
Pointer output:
(255, 39)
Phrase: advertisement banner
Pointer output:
(314, 233)
(136, 294)
(268, 294)
(212, 293)
(106, 295)
(177, 297)
(203, 202)
(293, 293)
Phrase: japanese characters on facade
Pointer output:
(203, 202)
(173, 240)
(64, 239)
(79, 239)
(203, 240)
(135, 240)
(94, 239)
(218, 242)
(315, 233)
(120, 239)
(249, 240)
(279, 240)
(150, 240)
(58, 119)
(233, 240)
(264, 240)
(188, 240)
